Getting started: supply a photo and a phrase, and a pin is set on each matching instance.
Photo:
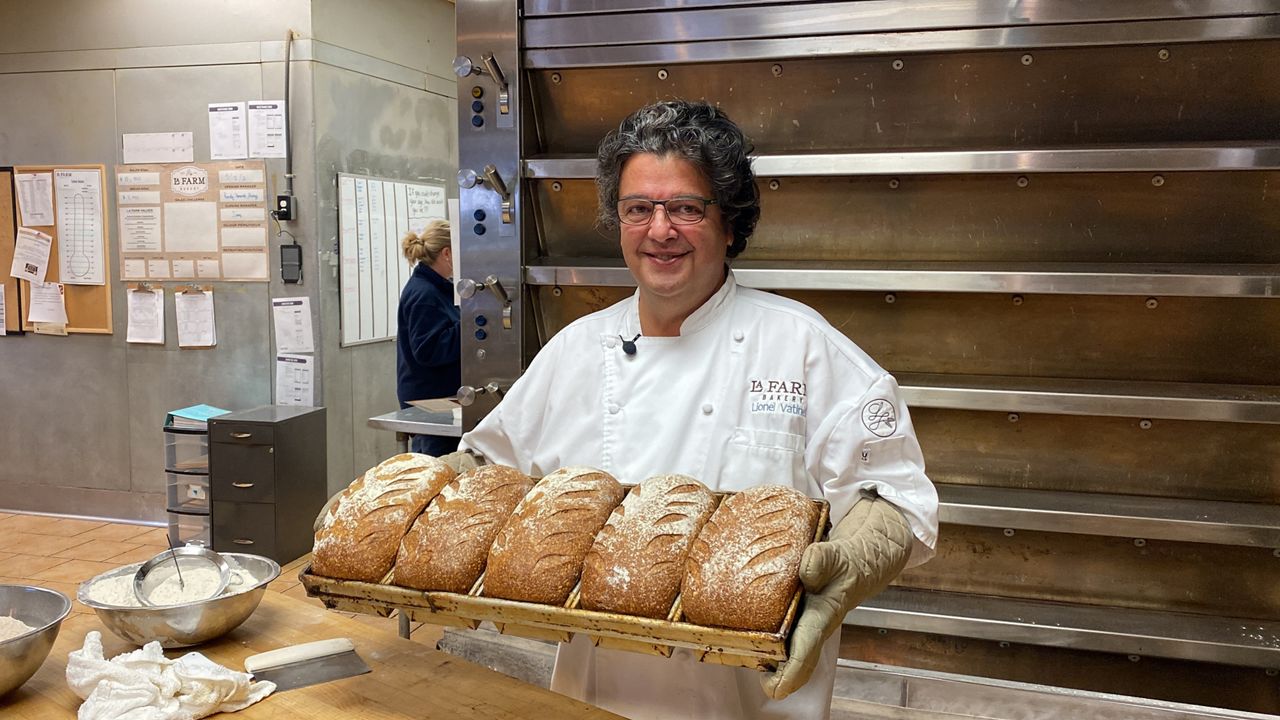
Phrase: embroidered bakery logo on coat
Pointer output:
(777, 396)
(880, 417)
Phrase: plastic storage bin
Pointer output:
(187, 528)
(186, 450)
(188, 493)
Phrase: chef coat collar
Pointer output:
(699, 319)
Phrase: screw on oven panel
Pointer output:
(1017, 299)
(894, 183)
(662, 74)
(1139, 542)
(1027, 59)
(897, 64)
(1144, 424)
(1009, 532)
(555, 78)
(557, 291)
(890, 298)
(1023, 181)
(1163, 54)
(777, 70)
(774, 184)
(1157, 180)
(1014, 417)
(1152, 303)
(556, 186)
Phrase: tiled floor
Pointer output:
(60, 553)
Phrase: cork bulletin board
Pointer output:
(88, 306)
(8, 229)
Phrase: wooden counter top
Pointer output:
(409, 679)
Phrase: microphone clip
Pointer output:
(629, 346)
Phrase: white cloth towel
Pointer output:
(145, 685)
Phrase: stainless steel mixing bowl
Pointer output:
(176, 626)
(42, 609)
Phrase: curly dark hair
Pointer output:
(698, 132)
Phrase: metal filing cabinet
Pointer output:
(267, 480)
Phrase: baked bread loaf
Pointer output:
(362, 530)
(743, 568)
(538, 554)
(637, 561)
(448, 543)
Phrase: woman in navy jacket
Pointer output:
(428, 353)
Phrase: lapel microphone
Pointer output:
(629, 346)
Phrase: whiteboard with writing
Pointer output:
(373, 215)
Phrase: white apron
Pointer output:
(757, 389)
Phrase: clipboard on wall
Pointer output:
(13, 301)
(88, 306)
(194, 316)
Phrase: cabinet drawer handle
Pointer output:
(242, 541)
(241, 485)
(241, 435)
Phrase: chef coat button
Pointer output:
(613, 408)
(706, 408)
(737, 336)
(611, 343)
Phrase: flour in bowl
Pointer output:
(11, 628)
(118, 591)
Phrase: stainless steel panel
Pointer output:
(1183, 636)
(1090, 35)
(964, 339)
(1200, 521)
(1058, 684)
(491, 27)
(1109, 398)
(540, 8)
(1062, 336)
(869, 16)
(415, 420)
(1107, 572)
(1204, 93)
(1042, 278)
(1098, 219)
(943, 162)
(1204, 461)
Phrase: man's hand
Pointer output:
(462, 460)
(865, 552)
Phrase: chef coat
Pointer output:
(757, 389)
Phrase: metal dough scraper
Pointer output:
(306, 664)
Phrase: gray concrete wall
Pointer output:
(80, 416)
(391, 127)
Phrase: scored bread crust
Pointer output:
(538, 554)
(743, 568)
(637, 561)
(446, 548)
(361, 532)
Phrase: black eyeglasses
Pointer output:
(680, 211)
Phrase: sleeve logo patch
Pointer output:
(880, 417)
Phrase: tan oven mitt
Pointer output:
(864, 552)
(461, 461)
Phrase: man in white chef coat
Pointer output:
(694, 374)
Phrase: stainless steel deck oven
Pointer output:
(1057, 223)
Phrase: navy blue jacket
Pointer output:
(428, 351)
